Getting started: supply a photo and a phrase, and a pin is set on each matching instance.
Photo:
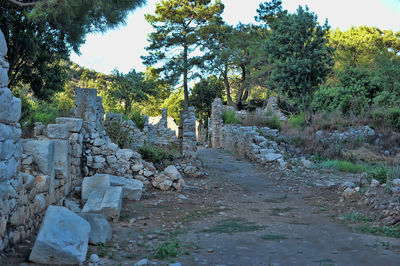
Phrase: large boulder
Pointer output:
(100, 229)
(63, 238)
(99, 183)
(131, 188)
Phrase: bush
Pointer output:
(118, 134)
(297, 121)
(394, 117)
(137, 117)
(229, 117)
(344, 166)
(152, 154)
(274, 122)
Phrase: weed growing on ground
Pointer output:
(356, 217)
(102, 250)
(344, 166)
(379, 230)
(168, 249)
(234, 225)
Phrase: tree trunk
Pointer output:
(228, 88)
(309, 107)
(239, 96)
(185, 77)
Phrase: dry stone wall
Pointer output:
(248, 142)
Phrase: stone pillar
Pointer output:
(216, 123)
(187, 131)
(164, 118)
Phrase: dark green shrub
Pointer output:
(274, 122)
(152, 153)
(297, 121)
(137, 117)
(380, 173)
(118, 134)
(229, 117)
(394, 117)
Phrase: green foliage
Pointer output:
(168, 249)
(40, 38)
(183, 18)
(119, 134)
(174, 103)
(152, 153)
(273, 122)
(379, 173)
(129, 88)
(229, 117)
(301, 58)
(137, 117)
(379, 230)
(297, 121)
(356, 217)
(273, 237)
(344, 166)
(204, 93)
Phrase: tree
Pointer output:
(130, 87)
(301, 57)
(40, 36)
(177, 24)
(204, 93)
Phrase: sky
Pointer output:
(121, 48)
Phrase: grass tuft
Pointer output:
(234, 225)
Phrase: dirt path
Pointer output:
(243, 214)
(293, 232)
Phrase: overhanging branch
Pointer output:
(22, 4)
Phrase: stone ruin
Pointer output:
(72, 156)
(246, 141)
(156, 133)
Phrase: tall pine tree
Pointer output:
(177, 24)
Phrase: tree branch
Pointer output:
(22, 4)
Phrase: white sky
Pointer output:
(122, 48)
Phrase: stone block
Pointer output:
(74, 124)
(93, 204)
(8, 169)
(63, 238)
(5, 97)
(112, 203)
(98, 182)
(43, 154)
(131, 188)
(3, 45)
(57, 131)
(3, 76)
(61, 156)
(15, 110)
(126, 154)
(100, 229)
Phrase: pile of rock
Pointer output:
(66, 231)
(386, 204)
(191, 171)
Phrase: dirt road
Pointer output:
(242, 214)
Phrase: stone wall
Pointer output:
(155, 133)
(187, 131)
(248, 142)
(12, 184)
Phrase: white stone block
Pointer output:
(57, 131)
(100, 229)
(3, 45)
(15, 110)
(131, 188)
(74, 124)
(62, 239)
(61, 156)
(43, 154)
(9, 132)
(112, 203)
(98, 182)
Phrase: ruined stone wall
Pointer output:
(187, 131)
(247, 142)
(156, 133)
